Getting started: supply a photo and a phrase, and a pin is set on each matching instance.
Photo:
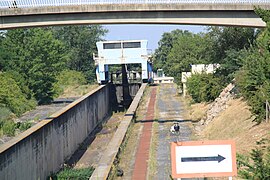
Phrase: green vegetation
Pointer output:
(5, 113)
(257, 165)
(70, 173)
(38, 57)
(9, 128)
(37, 64)
(69, 78)
(12, 97)
(179, 49)
(243, 55)
(80, 43)
(204, 87)
(22, 126)
(253, 78)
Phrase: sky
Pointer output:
(152, 33)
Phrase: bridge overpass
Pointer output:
(24, 13)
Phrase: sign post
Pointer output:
(203, 159)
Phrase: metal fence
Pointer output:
(40, 3)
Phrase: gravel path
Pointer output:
(169, 110)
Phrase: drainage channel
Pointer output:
(106, 161)
(101, 147)
(87, 156)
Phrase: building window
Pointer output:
(132, 45)
(112, 46)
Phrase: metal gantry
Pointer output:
(42, 3)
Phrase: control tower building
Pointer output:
(122, 52)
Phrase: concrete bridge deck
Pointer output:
(230, 14)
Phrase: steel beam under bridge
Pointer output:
(193, 14)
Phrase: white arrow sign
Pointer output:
(203, 159)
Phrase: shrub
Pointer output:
(257, 165)
(253, 81)
(69, 173)
(22, 126)
(5, 113)
(204, 87)
(9, 128)
(21, 82)
(69, 78)
(12, 97)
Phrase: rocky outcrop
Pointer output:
(219, 105)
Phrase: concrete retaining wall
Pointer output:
(133, 89)
(105, 163)
(42, 149)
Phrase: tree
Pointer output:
(81, 44)
(204, 87)
(188, 49)
(38, 57)
(257, 165)
(253, 79)
(164, 47)
(232, 62)
(12, 97)
(229, 38)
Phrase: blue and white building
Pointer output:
(122, 52)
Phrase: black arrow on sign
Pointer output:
(217, 158)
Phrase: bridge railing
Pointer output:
(42, 3)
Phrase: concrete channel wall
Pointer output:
(133, 89)
(105, 163)
(42, 149)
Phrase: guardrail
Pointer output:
(41, 3)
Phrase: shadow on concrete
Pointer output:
(153, 84)
(163, 121)
(76, 156)
(129, 114)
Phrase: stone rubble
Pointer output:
(219, 105)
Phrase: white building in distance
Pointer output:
(197, 69)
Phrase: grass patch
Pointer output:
(235, 123)
(69, 173)
(116, 168)
(22, 126)
(194, 112)
(5, 113)
(141, 110)
(77, 91)
(9, 128)
(152, 163)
